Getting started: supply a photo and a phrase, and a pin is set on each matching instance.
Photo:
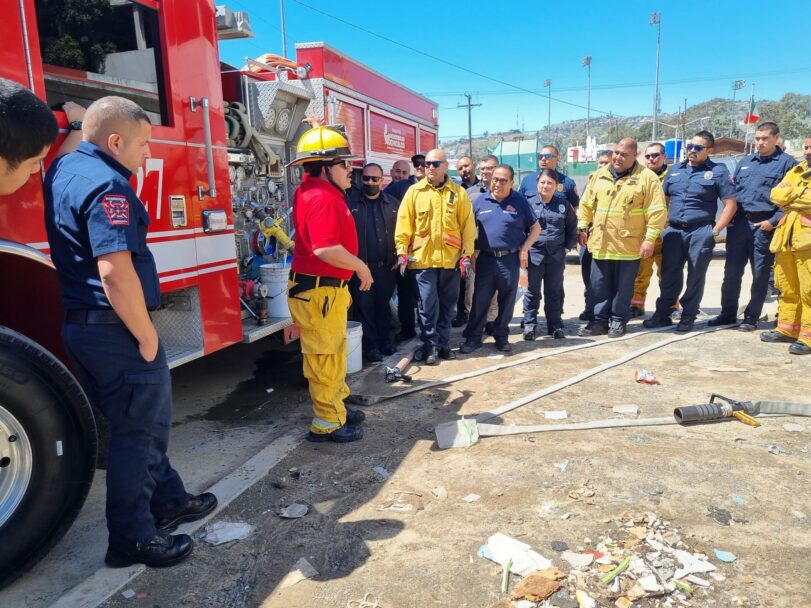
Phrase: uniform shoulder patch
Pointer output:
(117, 208)
(708, 175)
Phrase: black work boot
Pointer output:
(593, 328)
(657, 321)
(775, 336)
(722, 319)
(354, 417)
(343, 434)
(616, 329)
(197, 507)
(160, 551)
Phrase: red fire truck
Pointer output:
(215, 188)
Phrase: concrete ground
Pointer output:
(362, 540)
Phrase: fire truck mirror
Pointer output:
(214, 220)
(177, 207)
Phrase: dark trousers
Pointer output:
(493, 275)
(680, 245)
(407, 295)
(549, 272)
(460, 301)
(612, 287)
(439, 289)
(136, 399)
(371, 308)
(585, 272)
(746, 244)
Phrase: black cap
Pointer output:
(417, 157)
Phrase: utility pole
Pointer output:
(656, 19)
(548, 85)
(737, 85)
(284, 34)
(469, 107)
(587, 64)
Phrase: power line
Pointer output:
(439, 59)
(628, 85)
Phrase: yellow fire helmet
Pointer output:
(321, 144)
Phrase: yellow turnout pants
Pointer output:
(320, 315)
(792, 276)
(645, 273)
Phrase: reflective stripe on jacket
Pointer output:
(793, 194)
(623, 214)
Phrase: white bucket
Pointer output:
(354, 349)
(274, 277)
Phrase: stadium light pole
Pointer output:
(587, 64)
(656, 19)
(548, 85)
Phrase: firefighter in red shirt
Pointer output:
(324, 258)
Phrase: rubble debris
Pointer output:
(294, 511)
(457, 434)
(381, 470)
(562, 466)
(500, 548)
(471, 498)
(645, 376)
(725, 556)
(535, 587)
(128, 594)
(440, 492)
(559, 546)
(774, 449)
(302, 570)
(644, 561)
(626, 410)
(402, 502)
(221, 532)
(556, 415)
(577, 560)
(793, 427)
(738, 500)
(722, 516)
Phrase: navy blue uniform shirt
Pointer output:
(558, 227)
(566, 186)
(694, 192)
(399, 188)
(754, 179)
(90, 211)
(503, 225)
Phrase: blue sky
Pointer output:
(704, 47)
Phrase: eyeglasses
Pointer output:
(546, 155)
(696, 147)
(436, 164)
(371, 178)
(653, 155)
(500, 180)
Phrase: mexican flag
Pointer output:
(752, 115)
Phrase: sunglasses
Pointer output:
(653, 155)
(696, 147)
(546, 155)
(371, 178)
(419, 164)
(436, 164)
(342, 163)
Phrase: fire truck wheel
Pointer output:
(47, 452)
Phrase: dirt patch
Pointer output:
(410, 539)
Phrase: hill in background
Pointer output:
(722, 117)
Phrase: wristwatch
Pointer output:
(75, 125)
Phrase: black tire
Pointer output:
(40, 397)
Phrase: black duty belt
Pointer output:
(305, 282)
(689, 225)
(93, 317)
(499, 253)
(759, 216)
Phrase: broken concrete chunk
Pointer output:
(440, 492)
(556, 415)
(301, 570)
(577, 560)
(626, 410)
(793, 427)
(650, 584)
(584, 600)
(294, 511)
(221, 532)
(471, 498)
